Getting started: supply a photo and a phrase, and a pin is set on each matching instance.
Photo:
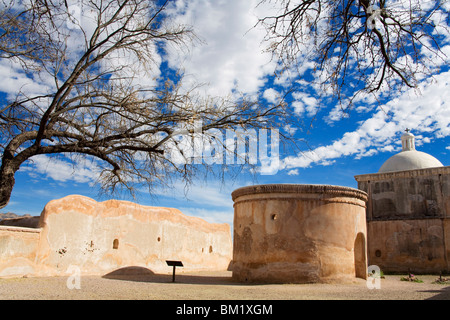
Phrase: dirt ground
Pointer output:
(212, 286)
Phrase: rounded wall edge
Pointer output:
(330, 190)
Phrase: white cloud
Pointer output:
(84, 171)
(299, 107)
(210, 201)
(271, 95)
(305, 102)
(213, 194)
(231, 57)
(290, 129)
(14, 80)
(210, 215)
(428, 112)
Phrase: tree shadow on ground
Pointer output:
(141, 274)
(441, 294)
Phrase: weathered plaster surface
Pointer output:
(100, 237)
(408, 219)
(18, 247)
(299, 234)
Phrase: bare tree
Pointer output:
(359, 46)
(90, 58)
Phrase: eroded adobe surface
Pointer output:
(299, 234)
(100, 237)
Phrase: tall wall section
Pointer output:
(299, 234)
(100, 237)
(18, 250)
(408, 219)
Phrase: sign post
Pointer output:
(174, 264)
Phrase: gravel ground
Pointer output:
(213, 286)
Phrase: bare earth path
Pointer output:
(213, 286)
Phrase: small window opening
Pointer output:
(116, 244)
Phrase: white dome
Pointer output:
(409, 158)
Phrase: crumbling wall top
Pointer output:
(330, 190)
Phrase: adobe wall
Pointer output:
(18, 248)
(100, 237)
(413, 194)
(299, 234)
(408, 219)
(414, 245)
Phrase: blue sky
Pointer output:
(230, 57)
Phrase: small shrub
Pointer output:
(411, 278)
(442, 280)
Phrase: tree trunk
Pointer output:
(11, 163)
(7, 180)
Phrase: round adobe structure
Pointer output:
(293, 233)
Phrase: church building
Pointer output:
(408, 212)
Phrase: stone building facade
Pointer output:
(408, 212)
